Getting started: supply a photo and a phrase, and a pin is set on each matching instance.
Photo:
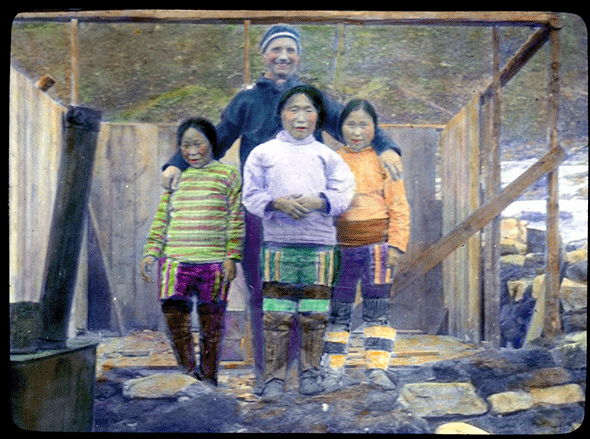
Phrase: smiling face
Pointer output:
(196, 148)
(358, 130)
(281, 58)
(299, 116)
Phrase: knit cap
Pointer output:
(280, 31)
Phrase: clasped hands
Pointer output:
(298, 206)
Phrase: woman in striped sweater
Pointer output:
(197, 236)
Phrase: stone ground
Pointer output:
(443, 386)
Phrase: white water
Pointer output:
(573, 203)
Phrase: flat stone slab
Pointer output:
(458, 428)
(508, 402)
(441, 399)
(159, 385)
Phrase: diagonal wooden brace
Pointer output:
(434, 254)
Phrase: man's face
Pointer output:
(299, 116)
(281, 58)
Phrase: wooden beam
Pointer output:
(246, 51)
(552, 324)
(522, 55)
(436, 126)
(459, 18)
(74, 58)
(434, 254)
(491, 235)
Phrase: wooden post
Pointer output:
(246, 52)
(552, 324)
(339, 54)
(491, 251)
(74, 92)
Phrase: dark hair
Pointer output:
(204, 126)
(314, 95)
(354, 105)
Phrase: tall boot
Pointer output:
(337, 335)
(211, 318)
(277, 331)
(313, 330)
(336, 347)
(178, 318)
(379, 341)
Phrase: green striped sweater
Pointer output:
(201, 221)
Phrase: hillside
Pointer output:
(413, 74)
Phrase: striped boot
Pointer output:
(379, 339)
(336, 347)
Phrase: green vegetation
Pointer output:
(413, 74)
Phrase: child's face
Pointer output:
(281, 58)
(299, 116)
(195, 148)
(358, 130)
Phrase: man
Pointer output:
(251, 115)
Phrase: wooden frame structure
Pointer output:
(486, 216)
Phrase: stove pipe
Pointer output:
(81, 127)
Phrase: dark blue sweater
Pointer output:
(252, 114)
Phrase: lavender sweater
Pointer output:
(286, 166)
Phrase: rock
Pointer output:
(441, 399)
(517, 288)
(511, 267)
(514, 319)
(547, 377)
(534, 264)
(574, 295)
(458, 428)
(538, 287)
(536, 240)
(537, 321)
(578, 244)
(577, 271)
(213, 412)
(513, 236)
(508, 402)
(572, 351)
(577, 255)
(565, 394)
(159, 385)
(575, 320)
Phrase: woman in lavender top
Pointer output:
(297, 185)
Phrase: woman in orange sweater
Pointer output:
(372, 234)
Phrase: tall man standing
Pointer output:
(251, 115)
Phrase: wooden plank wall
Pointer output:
(35, 145)
(420, 305)
(461, 196)
(124, 196)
